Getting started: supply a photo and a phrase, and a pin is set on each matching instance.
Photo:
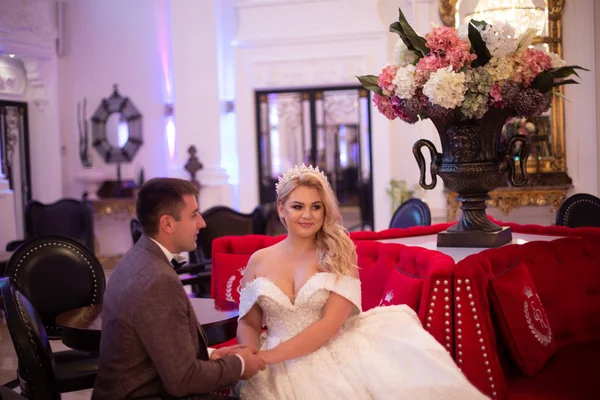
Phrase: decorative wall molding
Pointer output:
(12, 78)
(263, 3)
(28, 19)
(310, 21)
(286, 73)
(37, 83)
(310, 40)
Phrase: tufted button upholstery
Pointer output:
(579, 210)
(566, 274)
(56, 274)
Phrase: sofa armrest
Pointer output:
(475, 338)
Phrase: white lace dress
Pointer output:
(383, 353)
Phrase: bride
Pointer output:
(319, 344)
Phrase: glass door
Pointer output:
(328, 127)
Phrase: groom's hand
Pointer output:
(252, 362)
(229, 350)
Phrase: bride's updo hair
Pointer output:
(335, 249)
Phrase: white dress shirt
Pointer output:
(180, 258)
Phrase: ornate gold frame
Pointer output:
(557, 164)
(507, 199)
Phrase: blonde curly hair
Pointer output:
(335, 249)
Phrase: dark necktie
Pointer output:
(177, 264)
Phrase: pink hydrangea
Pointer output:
(528, 64)
(446, 48)
(496, 96)
(427, 65)
(384, 105)
(386, 79)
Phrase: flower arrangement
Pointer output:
(450, 74)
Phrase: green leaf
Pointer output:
(478, 45)
(565, 82)
(369, 82)
(555, 93)
(410, 38)
(565, 71)
(543, 82)
(479, 24)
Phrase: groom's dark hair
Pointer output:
(160, 196)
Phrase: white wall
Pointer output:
(581, 123)
(122, 42)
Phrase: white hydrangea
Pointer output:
(557, 62)
(446, 87)
(405, 82)
(402, 56)
(500, 38)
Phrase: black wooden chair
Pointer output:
(136, 230)
(42, 375)
(224, 221)
(220, 221)
(56, 274)
(579, 210)
(66, 217)
(413, 212)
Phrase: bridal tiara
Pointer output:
(295, 173)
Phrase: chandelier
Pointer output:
(520, 14)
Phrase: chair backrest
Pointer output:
(579, 210)
(56, 274)
(36, 364)
(224, 221)
(413, 212)
(66, 217)
(136, 230)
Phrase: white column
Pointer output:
(198, 111)
(44, 133)
(8, 223)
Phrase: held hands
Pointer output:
(229, 350)
(252, 362)
(270, 356)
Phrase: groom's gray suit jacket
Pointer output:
(151, 340)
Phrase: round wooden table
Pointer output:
(82, 327)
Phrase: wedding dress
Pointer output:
(383, 353)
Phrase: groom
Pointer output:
(152, 344)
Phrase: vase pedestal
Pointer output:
(474, 238)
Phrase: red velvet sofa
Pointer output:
(527, 319)
(390, 274)
(476, 308)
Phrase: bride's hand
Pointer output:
(269, 356)
(229, 350)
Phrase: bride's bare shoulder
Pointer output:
(260, 263)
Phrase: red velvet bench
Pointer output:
(527, 319)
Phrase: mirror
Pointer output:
(117, 129)
(547, 164)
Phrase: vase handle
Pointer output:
(421, 162)
(523, 155)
